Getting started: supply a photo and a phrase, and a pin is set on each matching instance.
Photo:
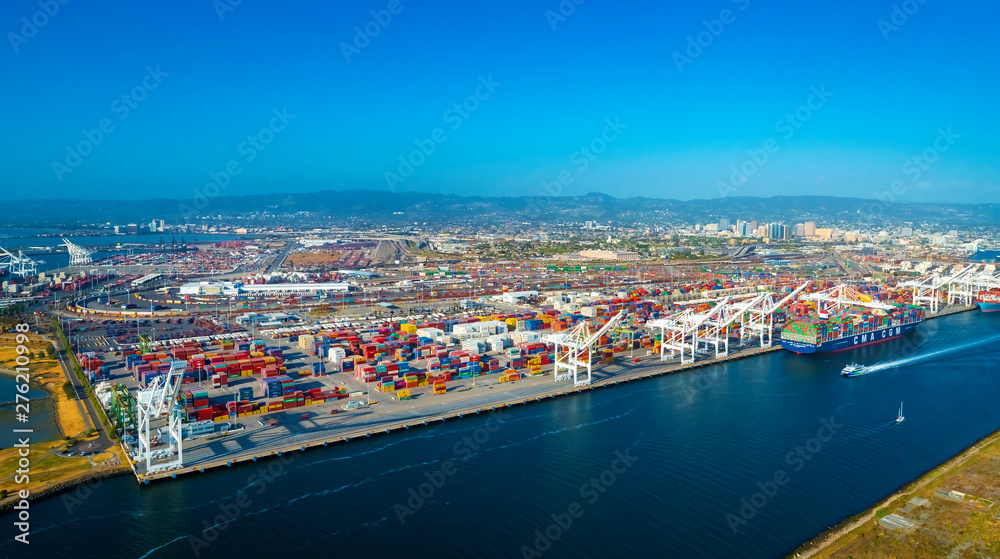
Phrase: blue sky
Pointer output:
(892, 92)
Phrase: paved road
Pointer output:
(90, 417)
(280, 259)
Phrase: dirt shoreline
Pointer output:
(832, 536)
(62, 487)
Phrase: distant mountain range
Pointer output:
(380, 207)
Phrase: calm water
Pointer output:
(702, 441)
(25, 239)
(42, 416)
(21, 238)
(986, 256)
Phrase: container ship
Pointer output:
(989, 301)
(849, 328)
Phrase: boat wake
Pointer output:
(881, 366)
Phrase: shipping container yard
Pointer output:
(238, 350)
(287, 383)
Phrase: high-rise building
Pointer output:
(133, 228)
(800, 229)
(723, 224)
(753, 225)
(906, 232)
(786, 232)
(774, 231)
(810, 229)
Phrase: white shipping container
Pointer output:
(475, 345)
(432, 333)
(336, 354)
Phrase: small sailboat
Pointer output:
(900, 418)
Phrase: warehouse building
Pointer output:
(296, 288)
(211, 288)
(609, 255)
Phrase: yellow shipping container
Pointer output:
(263, 409)
(408, 328)
(512, 323)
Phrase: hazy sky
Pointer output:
(180, 86)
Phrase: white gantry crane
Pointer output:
(683, 334)
(575, 346)
(78, 256)
(19, 265)
(844, 295)
(965, 286)
(154, 402)
(758, 320)
(927, 290)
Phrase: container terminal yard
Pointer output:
(197, 372)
